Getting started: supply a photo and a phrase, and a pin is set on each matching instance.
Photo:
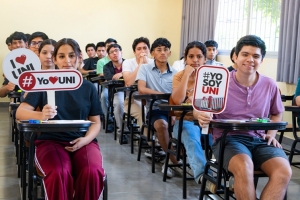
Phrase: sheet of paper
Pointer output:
(68, 121)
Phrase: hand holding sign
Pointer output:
(211, 90)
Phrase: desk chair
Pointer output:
(289, 127)
(112, 84)
(95, 79)
(180, 152)
(294, 149)
(129, 121)
(146, 124)
(221, 179)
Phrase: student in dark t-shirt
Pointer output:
(74, 152)
(90, 64)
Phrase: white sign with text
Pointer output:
(19, 61)
(45, 80)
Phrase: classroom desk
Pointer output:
(33, 129)
(99, 80)
(111, 85)
(229, 125)
(14, 95)
(294, 151)
(152, 98)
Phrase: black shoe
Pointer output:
(124, 139)
(144, 143)
(110, 128)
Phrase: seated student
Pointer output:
(18, 40)
(77, 153)
(45, 51)
(183, 90)
(104, 95)
(131, 67)
(246, 151)
(35, 41)
(90, 50)
(232, 58)
(100, 50)
(8, 43)
(90, 63)
(113, 71)
(211, 53)
(103, 61)
(156, 78)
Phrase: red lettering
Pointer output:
(210, 90)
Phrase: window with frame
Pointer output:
(237, 18)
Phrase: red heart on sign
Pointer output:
(53, 79)
(21, 59)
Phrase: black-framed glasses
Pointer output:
(114, 51)
(35, 44)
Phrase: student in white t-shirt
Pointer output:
(131, 66)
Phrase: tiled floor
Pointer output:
(127, 178)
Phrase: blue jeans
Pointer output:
(191, 139)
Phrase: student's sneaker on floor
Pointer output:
(209, 185)
(170, 172)
(231, 183)
(110, 128)
(158, 152)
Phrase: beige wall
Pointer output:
(89, 21)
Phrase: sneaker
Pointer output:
(231, 183)
(124, 139)
(170, 172)
(209, 185)
(148, 153)
(110, 128)
(157, 152)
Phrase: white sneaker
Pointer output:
(170, 172)
(209, 185)
(231, 183)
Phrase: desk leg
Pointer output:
(20, 152)
(23, 174)
(30, 165)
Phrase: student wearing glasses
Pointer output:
(113, 71)
(35, 41)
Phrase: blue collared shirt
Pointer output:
(156, 80)
(213, 62)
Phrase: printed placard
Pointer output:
(211, 89)
(45, 80)
(19, 61)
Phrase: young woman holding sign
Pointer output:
(183, 90)
(70, 161)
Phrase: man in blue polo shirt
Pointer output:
(156, 78)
